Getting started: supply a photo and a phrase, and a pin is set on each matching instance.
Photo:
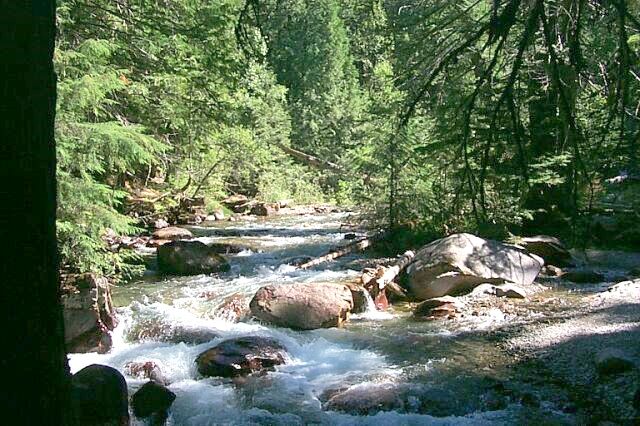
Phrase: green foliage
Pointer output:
(436, 116)
(95, 146)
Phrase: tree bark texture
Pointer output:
(38, 389)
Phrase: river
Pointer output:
(441, 372)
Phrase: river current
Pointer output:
(439, 372)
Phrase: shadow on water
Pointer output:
(416, 372)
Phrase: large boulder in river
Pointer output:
(240, 357)
(460, 262)
(190, 258)
(99, 396)
(304, 306)
(549, 248)
(88, 312)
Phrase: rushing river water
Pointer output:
(438, 372)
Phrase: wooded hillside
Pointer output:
(431, 116)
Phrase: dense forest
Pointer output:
(502, 118)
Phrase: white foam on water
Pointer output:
(317, 361)
(372, 313)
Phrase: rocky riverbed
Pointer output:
(566, 353)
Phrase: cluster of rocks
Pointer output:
(243, 205)
(100, 396)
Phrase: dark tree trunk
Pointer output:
(33, 357)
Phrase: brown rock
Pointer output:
(190, 258)
(172, 233)
(265, 209)
(145, 370)
(240, 357)
(303, 306)
(89, 316)
(438, 307)
(367, 399)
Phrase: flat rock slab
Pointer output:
(438, 307)
(172, 233)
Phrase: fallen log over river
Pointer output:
(341, 251)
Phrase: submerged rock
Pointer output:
(583, 277)
(99, 396)
(613, 361)
(160, 330)
(298, 260)
(190, 258)
(304, 306)
(549, 248)
(460, 262)
(89, 316)
(152, 399)
(367, 399)
(240, 357)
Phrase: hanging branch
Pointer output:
(623, 78)
(449, 56)
(206, 176)
(530, 27)
(575, 135)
